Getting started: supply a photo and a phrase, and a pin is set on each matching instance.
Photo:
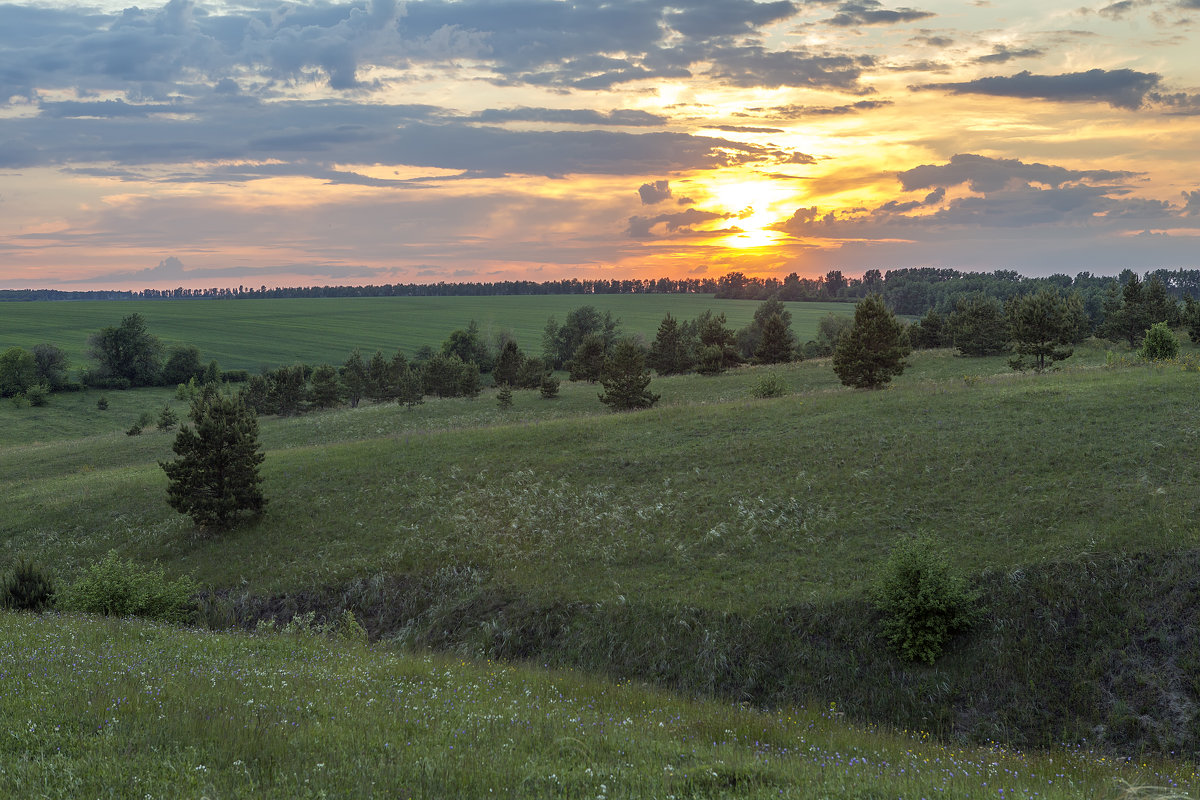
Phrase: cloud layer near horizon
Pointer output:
(356, 141)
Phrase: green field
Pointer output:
(132, 710)
(249, 334)
(716, 545)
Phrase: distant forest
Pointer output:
(906, 291)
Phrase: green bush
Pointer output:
(38, 394)
(28, 588)
(769, 385)
(922, 602)
(120, 588)
(1160, 344)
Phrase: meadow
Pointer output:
(717, 545)
(131, 709)
(250, 334)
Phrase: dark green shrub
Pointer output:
(922, 602)
(235, 376)
(28, 588)
(504, 397)
(120, 588)
(102, 403)
(549, 386)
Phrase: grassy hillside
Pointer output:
(126, 709)
(716, 544)
(247, 334)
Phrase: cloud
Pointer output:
(1120, 88)
(984, 174)
(1002, 54)
(871, 12)
(656, 192)
(797, 112)
(642, 227)
(752, 66)
(745, 129)
(569, 116)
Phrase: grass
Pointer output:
(130, 709)
(249, 334)
(717, 544)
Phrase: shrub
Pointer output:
(504, 397)
(38, 394)
(116, 587)
(28, 588)
(102, 403)
(922, 602)
(1159, 345)
(549, 386)
(769, 385)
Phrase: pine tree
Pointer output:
(1038, 325)
(670, 354)
(508, 364)
(354, 378)
(977, 326)
(625, 378)
(167, 418)
(873, 351)
(504, 397)
(379, 379)
(777, 344)
(216, 474)
(326, 391)
(410, 388)
(587, 363)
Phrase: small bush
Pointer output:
(923, 603)
(549, 386)
(102, 403)
(769, 385)
(1160, 344)
(38, 394)
(134, 430)
(504, 397)
(120, 588)
(167, 418)
(28, 588)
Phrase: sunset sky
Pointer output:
(224, 143)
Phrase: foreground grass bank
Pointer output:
(134, 710)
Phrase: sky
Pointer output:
(217, 144)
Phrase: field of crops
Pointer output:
(249, 334)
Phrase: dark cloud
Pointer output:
(1120, 88)
(983, 174)
(1177, 103)
(656, 192)
(934, 40)
(872, 12)
(800, 158)
(753, 66)
(301, 135)
(1002, 54)
(642, 227)
(569, 116)
(744, 129)
(797, 112)
(171, 269)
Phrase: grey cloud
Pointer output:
(872, 12)
(796, 112)
(1002, 54)
(800, 158)
(173, 269)
(570, 116)
(752, 66)
(745, 129)
(300, 133)
(641, 227)
(1120, 88)
(984, 174)
(656, 192)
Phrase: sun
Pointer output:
(755, 204)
